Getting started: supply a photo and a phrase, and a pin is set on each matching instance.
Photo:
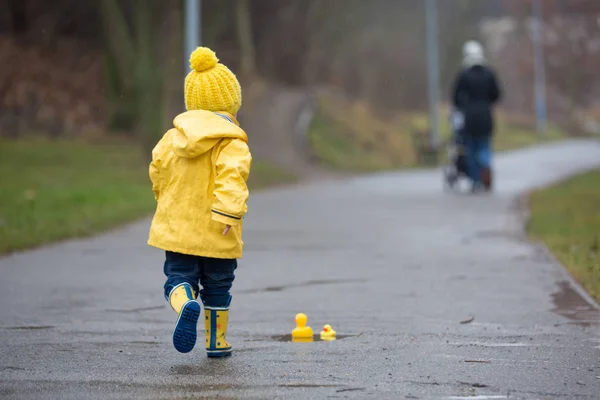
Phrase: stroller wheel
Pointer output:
(450, 179)
(486, 177)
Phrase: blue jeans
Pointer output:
(214, 274)
(479, 155)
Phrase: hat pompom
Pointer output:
(203, 59)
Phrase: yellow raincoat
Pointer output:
(199, 171)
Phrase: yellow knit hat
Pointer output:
(211, 85)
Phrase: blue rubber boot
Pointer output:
(183, 300)
(216, 320)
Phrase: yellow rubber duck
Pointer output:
(302, 333)
(327, 333)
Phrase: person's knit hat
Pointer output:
(473, 54)
(211, 85)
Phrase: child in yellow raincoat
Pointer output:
(199, 171)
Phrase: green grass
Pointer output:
(54, 190)
(567, 218)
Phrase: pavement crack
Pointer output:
(474, 385)
(27, 328)
(145, 342)
(424, 383)
(552, 395)
(308, 385)
(350, 390)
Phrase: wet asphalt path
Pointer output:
(390, 260)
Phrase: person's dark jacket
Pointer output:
(475, 91)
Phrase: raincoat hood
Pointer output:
(198, 131)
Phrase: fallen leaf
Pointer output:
(30, 194)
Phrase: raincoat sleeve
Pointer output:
(231, 191)
(154, 168)
(154, 177)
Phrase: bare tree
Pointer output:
(135, 47)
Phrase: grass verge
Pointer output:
(511, 135)
(347, 135)
(54, 190)
(511, 132)
(566, 217)
(264, 175)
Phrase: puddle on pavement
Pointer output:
(145, 342)
(135, 310)
(315, 338)
(300, 285)
(570, 304)
(490, 234)
(494, 234)
(93, 251)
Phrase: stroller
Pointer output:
(457, 161)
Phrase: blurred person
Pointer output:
(199, 171)
(474, 93)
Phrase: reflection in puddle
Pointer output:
(315, 338)
(570, 304)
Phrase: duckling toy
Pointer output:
(327, 333)
(302, 333)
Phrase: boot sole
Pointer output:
(218, 353)
(184, 336)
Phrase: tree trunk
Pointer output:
(147, 79)
(172, 67)
(119, 39)
(120, 60)
(245, 38)
(18, 13)
(135, 55)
